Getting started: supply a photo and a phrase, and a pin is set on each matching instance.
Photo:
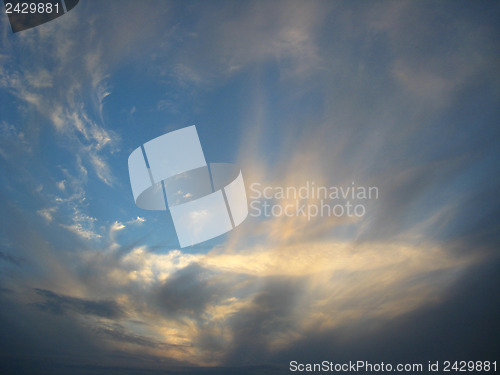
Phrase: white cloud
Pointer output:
(101, 168)
(46, 213)
(116, 226)
(82, 224)
(83, 231)
(146, 268)
(138, 220)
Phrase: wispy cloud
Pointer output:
(83, 225)
(58, 92)
(46, 213)
(60, 304)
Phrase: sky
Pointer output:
(402, 96)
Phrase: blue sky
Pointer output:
(403, 96)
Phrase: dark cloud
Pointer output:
(61, 304)
(11, 259)
(274, 306)
(473, 224)
(187, 291)
(191, 289)
(5, 291)
(463, 324)
(34, 342)
(271, 313)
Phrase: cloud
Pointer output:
(10, 258)
(138, 220)
(116, 226)
(330, 94)
(61, 185)
(239, 38)
(46, 213)
(268, 321)
(435, 65)
(189, 290)
(118, 333)
(14, 142)
(83, 225)
(61, 304)
(40, 79)
(432, 328)
(58, 91)
(232, 307)
(147, 268)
